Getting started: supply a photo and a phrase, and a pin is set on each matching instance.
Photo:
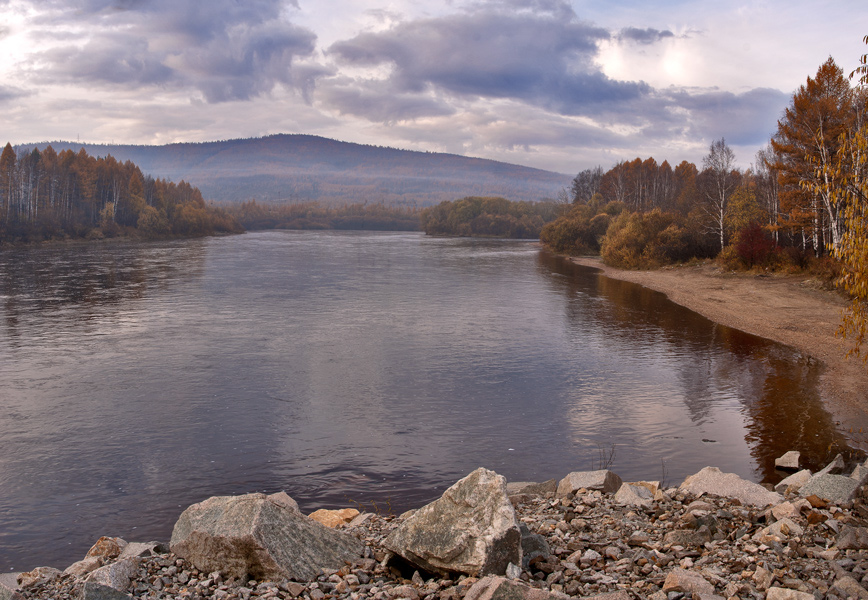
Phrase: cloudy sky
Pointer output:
(557, 84)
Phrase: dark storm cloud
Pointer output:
(226, 49)
(538, 57)
(644, 36)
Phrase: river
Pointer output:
(354, 369)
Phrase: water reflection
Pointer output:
(351, 367)
(775, 386)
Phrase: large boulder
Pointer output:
(604, 480)
(470, 529)
(260, 537)
(794, 482)
(9, 587)
(837, 489)
(711, 480)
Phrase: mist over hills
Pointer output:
(301, 168)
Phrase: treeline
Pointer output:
(488, 217)
(253, 215)
(787, 209)
(49, 195)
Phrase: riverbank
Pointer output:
(788, 309)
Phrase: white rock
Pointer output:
(711, 480)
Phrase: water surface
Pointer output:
(354, 368)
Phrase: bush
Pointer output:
(754, 245)
(645, 241)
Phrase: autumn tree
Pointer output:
(586, 185)
(720, 181)
(807, 142)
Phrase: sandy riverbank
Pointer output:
(786, 309)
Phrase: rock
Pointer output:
(782, 529)
(37, 575)
(788, 510)
(107, 548)
(96, 591)
(788, 462)
(500, 588)
(850, 588)
(779, 593)
(711, 480)
(8, 587)
(688, 537)
(836, 466)
(83, 567)
(333, 518)
(140, 549)
(471, 529)
(254, 535)
(681, 580)
(619, 595)
(763, 578)
(533, 546)
(852, 538)
(532, 489)
(634, 495)
(285, 499)
(116, 575)
(837, 489)
(604, 480)
(860, 474)
(794, 482)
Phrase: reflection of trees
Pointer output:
(776, 387)
(84, 277)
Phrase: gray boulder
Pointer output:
(116, 575)
(711, 480)
(834, 467)
(837, 489)
(794, 482)
(470, 529)
(96, 591)
(634, 495)
(9, 587)
(604, 480)
(532, 488)
(789, 461)
(260, 537)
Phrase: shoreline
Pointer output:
(786, 309)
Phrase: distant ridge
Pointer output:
(300, 168)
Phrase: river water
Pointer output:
(351, 369)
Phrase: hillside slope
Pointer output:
(297, 168)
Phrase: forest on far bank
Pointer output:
(48, 195)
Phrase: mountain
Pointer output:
(299, 168)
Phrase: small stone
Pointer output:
(334, 518)
(107, 548)
(603, 480)
(500, 588)
(38, 575)
(763, 578)
(681, 580)
(850, 588)
(779, 593)
(789, 461)
(95, 591)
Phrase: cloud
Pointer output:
(8, 93)
(538, 57)
(376, 101)
(225, 49)
(644, 36)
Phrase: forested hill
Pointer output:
(300, 168)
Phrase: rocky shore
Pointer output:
(588, 535)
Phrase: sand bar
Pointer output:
(785, 308)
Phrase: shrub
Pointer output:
(754, 245)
